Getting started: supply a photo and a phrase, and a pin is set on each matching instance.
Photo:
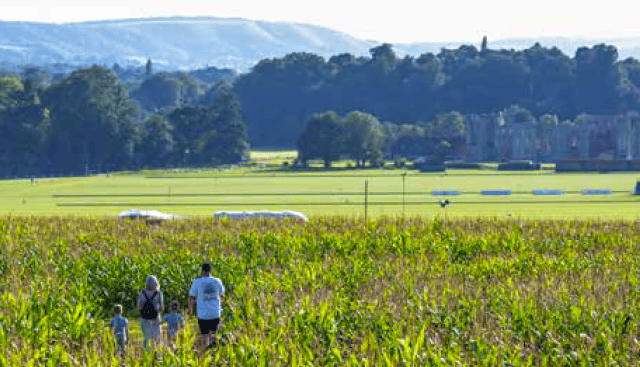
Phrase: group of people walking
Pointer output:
(205, 293)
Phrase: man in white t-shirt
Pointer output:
(206, 292)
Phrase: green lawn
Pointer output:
(325, 193)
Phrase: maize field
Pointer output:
(337, 292)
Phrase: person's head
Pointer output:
(117, 309)
(206, 269)
(175, 306)
(152, 283)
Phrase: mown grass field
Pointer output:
(336, 292)
(200, 193)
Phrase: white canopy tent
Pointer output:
(145, 214)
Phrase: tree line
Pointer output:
(115, 118)
(282, 93)
(87, 120)
(361, 137)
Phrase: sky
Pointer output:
(398, 21)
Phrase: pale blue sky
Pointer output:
(398, 21)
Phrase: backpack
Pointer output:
(149, 311)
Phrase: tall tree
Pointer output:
(162, 90)
(597, 79)
(323, 138)
(552, 82)
(156, 141)
(278, 94)
(450, 126)
(406, 141)
(447, 130)
(231, 138)
(210, 135)
(91, 121)
(384, 57)
(22, 133)
(364, 137)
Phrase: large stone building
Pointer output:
(482, 135)
(615, 136)
(517, 142)
(491, 138)
(568, 141)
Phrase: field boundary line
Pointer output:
(338, 175)
(381, 193)
(357, 203)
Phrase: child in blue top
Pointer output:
(120, 329)
(175, 322)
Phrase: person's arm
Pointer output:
(192, 301)
(193, 293)
(126, 330)
(161, 303)
(139, 301)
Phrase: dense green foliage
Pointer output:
(402, 292)
(323, 138)
(88, 122)
(158, 92)
(91, 121)
(205, 136)
(358, 136)
(285, 91)
(362, 138)
(57, 122)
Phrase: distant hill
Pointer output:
(172, 43)
(192, 43)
